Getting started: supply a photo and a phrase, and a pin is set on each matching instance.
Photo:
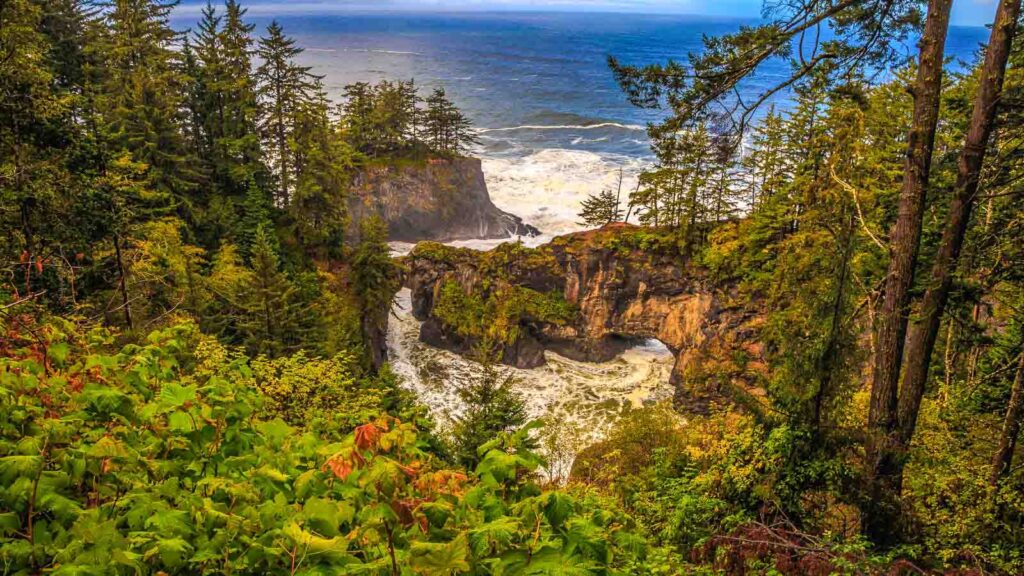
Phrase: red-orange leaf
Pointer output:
(367, 436)
(340, 467)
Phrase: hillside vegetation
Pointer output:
(193, 359)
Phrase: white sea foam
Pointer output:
(586, 398)
(563, 127)
(376, 51)
(546, 188)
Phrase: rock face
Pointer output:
(437, 199)
(620, 289)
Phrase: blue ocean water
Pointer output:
(554, 125)
(528, 80)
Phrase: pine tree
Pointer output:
(277, 320)
(492, 407)
(141, 98)
(284, 87)
(256, 215)
(318, 212)
(375, 279)
(766, 161)
(600, 209)
(437, 122)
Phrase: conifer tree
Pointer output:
(225, 107)
(492, 407)
(141, 97)
(600, 209)
(318, 212)
(284, 86)
(276, 320)
(375, 278)
(766, 160)
(256, 215)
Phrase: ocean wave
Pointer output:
(562, 177)
(375, 51)
(581, 140)
(564, 127)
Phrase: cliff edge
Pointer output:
(440, 199)
(589, 296)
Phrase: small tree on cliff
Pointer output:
(600, 209)
(375, 278)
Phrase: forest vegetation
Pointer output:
(193, 368)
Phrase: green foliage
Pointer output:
(600, 209)
(158, 458)
(324, 395)
(492, 407)
(498, 318)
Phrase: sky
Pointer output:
(965, 12)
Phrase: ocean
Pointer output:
(553, 124)
(554, 128)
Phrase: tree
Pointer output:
(375, 279)
(318, 211)
(492, 407)
(766, 159)
(283, 88)
(141, 94)
(925, 328)
(446, 129)
(277, 320)
(600, 209)
(225, 107)
(256, 215)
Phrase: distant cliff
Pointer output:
(438, 199)
(589, 296)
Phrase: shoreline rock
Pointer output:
(621, 285)
(440, 199)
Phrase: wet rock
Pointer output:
(436, 199)
(621, 291)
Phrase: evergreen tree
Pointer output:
(284, 87)
(318, 211)
(375, 279)
(356, 115)
(256, 215)
(141, 97)
(766, 160)
(600, 209)
(492, 407)
(277, 320)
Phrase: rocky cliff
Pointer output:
(436, 199)
(588, 296)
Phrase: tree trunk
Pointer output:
(375, 336)
(925, 329)
(1011, 428)
(126, 303)
(881, 511)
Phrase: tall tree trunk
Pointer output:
(881, 513)
(1011, 428)
(126, 303)
(924, 330)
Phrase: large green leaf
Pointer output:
(440, 559)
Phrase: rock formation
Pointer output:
(621, 283)
(436, 199)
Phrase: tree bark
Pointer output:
(126, 303)
(924, 330)
(881, 511)
(1003, 459)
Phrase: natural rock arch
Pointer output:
(620, 290)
